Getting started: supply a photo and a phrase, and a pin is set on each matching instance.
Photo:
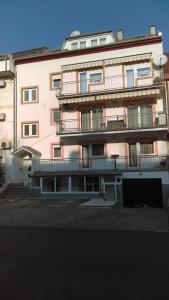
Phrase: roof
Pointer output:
(88, 34)
(30, 52)
(25, 150)
(166, 68)
(58, 53)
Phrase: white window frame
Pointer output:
(95, 82)
(101, 41)
(82, 44)
(143, 68)
(30, 124)
(74, 45)
(135, 68)
(30, 98)
(94, 42)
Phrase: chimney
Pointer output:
(119, 34)
(153, 30)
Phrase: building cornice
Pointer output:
(70, 53)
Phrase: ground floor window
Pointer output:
(35, 182)
(89, 183)
(51, 184)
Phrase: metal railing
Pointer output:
(2, 175)
(112, 123)
(109, 83)
(121, 163)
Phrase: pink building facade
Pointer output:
(92, 118)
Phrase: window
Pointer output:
(55, 115)
(83, 44)
(29, 95)
(93, 43)
(51, 184)
(30, 129)
(146, 148)
(142, 72)
(98, 150)
(102, 41)
(92, 119)
(55, 81)
(56, 151)
(95, 77)
(74, 46)
(35, 182)
(89, 183)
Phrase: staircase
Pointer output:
(16, 192)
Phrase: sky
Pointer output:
(27, 24)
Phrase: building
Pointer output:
(6, 119)
(92, 118)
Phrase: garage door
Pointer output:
(142, 192)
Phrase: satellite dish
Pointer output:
(160, 60)
(75, 33)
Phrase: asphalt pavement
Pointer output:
(51, 264)
(68, 214)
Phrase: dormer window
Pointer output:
(93, 43)
(74, 46)
(83, 44)
(102, 41)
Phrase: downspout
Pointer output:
(167, 108)
(15, 110)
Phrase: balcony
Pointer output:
(102, 123)
(100, 165)
(113, 84)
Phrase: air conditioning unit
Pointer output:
(5, 145)
(2, 117)
(2, 84)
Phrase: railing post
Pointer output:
(114, 157)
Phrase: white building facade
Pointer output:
(92, 119)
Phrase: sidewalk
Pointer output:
(66, 213)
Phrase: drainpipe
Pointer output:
(15, 111)
(167, 109)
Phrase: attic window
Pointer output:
(102, 41)
(83, 44)
(74, 46)
(94, 43)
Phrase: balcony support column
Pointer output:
(70, 184)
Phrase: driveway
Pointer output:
(66, 213)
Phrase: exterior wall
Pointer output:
(38, 74)
(6, 126)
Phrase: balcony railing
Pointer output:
(115, 163)
(110, 83)
(113, 123)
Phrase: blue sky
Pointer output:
(26, 24)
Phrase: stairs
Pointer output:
(16, 192)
